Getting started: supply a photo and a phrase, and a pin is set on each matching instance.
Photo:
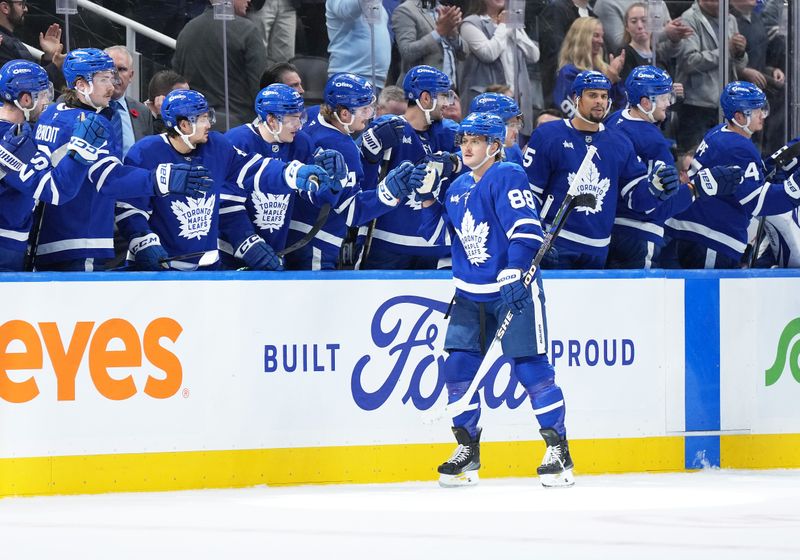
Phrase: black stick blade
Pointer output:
(585, 200)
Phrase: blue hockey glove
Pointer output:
(17, 148)
(451, 163)
(181, 178)
(88, 136)
(333, 163)
(717, 181)
(664, 182)
(147, 252)
(258, 255)
(401, 182)
(514, 293)
(431, 181)
(386, 132)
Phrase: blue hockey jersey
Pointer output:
(37, 180)
(268, 211)
(84, 226)
(653, 149)
(493, 223)
(552, 158)
(720, 223)
(355, 207)
(513, 154)
(190, 224)
(397, 231)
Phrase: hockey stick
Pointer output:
(206, 258)
(387, 155)
(779, 159)
(322, 217)
(572, 200)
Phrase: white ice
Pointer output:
(711, 514)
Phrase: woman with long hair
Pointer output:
(497, 54)
(583, 50)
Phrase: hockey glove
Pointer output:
(17, 148)
(431, 181)
(88, 136)
(181, 178)
(451, 163)
(401, 182)
(258, 255)
(664, 182)
(147, 252)
(717, 181)
(514, 293)
(386, 132)
(333, 163)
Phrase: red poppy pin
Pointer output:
(134, 113)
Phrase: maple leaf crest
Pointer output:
(594, 185)
(473, 238)
(270, 209)
(194, 215)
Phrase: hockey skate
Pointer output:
(556, 468)
(461, 469)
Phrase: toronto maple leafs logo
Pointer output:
(195, 216)
(270, 210)
(473, 237)
(594, 185)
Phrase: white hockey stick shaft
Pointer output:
(495, 349)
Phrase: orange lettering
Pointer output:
(100, 358)
(22, 391)
(66, 364)
(163, 358)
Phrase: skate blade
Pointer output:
(467, 478)
(560, 480)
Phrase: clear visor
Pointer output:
(366, 112)
(764, 110)
(294, 121)
(209, 118)
(106, 78)
(665, 99)
(516, 123)
(446, 98)
(44, 96)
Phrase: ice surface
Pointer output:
(709, 514)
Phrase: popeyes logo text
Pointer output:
(115, 343)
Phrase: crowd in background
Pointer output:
(481, 45)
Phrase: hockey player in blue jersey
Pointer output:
(277, 134)
(637, 237)
(160, 229)
(556, 150)
(496, 231)
(79, 235)
(508, 110)
(349, 105)
(27, 174)
(712, 233)
(419, 134)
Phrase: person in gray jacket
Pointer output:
(697, 70)
(426, 33)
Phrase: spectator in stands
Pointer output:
(12, 16)
(160, 85)
(350, 45)
(697, 69)
(546, 116)
(391, 101)
(426, 32)
(165, 16)
(500, 88)
(554, 22)
(494, 50)
(637, 41)
(198, 56)
(612, 14)
(583, 49)
(136, 121)
(283, 73)
(453, 111)
(277, 21)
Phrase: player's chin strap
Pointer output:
(745, 126)
(489, 155)
(648, 114)
(346, 125)
(87, 97)
(427, 111)
(276, 133)
(581, 117)
(185, 137)
(26, 112)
